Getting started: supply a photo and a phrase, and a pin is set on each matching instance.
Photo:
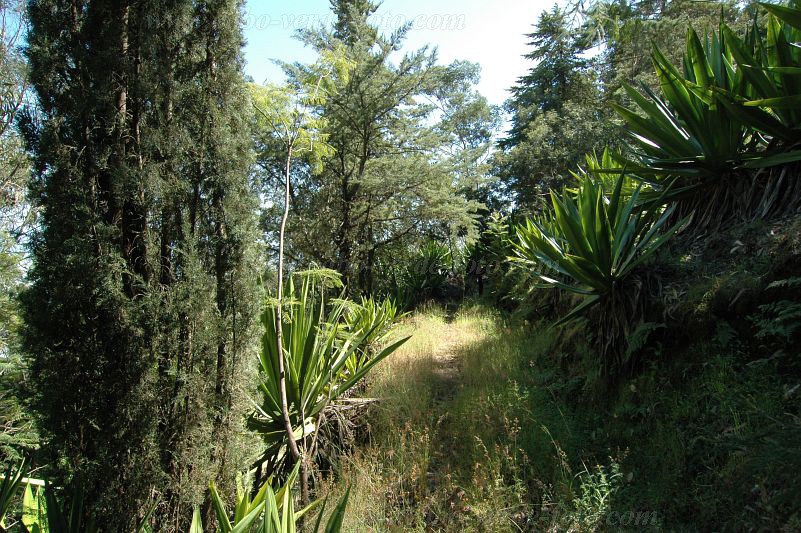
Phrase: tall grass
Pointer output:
(452, 439)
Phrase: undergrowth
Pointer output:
(492, 423)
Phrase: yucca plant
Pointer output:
(428, 271)
(771, 67)
(608, 168)
(269, 511)
(45, 511)
(592, 247)
(695, 143)
(682, 133)
(12, 481)
(317, 348)
(373, 321)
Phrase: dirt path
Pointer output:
(446, 364)
(446, 368)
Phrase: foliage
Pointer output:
(557, 76)
(426, 275)
(769, 64)
(142, 293)
(17, 217)
(608, 169)
(12, 481)
(685, 134)
(593, 246)
(409, 138)
(45, 510)
(274, 510)
(373, 321)
(699, 142)
(778, 322)
(317, 351)
(556, 111)
(626, 31)
(597, 488)
(270, 510)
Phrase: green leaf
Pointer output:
(336, 519)
(789, 15)
(197, 522)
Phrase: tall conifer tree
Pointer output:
(142, 295)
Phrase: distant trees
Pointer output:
(390, 179)
(625, 32)
(583, 54)
(556, 113)
(18, 432)
(142, 292)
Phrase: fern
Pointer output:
(779, 320)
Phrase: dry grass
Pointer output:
(442, 453)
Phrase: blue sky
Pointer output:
(487, 32)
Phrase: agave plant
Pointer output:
(771, 67)
(592, 247)
(682, 133)
(44, 510)
(694, 141)
(317, 348)
(371, 320)
(12, 481)
(269, 511)
(427, 274)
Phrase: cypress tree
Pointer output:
(142, 293)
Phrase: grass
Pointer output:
(448, 447)
(491, 424)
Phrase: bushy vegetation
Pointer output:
(593, 246)
(590, 323)
(325, 356)
(658, 388)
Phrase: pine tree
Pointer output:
(555, 78)
(556, 111)
(141, 300)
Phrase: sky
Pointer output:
(490, 33)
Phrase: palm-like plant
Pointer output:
(428, 271)
(12, 480)
(317, 348)
(683, 132)
(44, 510)
(372, 321)
(704, 135)
(771, 67)
(607, 169)
(592, 246)
(273, 511)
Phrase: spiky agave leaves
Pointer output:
(317, 348)
(270, 510)
(371, 319)
(9, 487)
(683, 133)
(592, 247)
(706, 133)
(427, 274)
(771, 66)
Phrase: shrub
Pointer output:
(727, 114)
(317, 349)
(427, 274)
(373, 322)
(592, 247)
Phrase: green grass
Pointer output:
(486, 424)
(455, 442)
